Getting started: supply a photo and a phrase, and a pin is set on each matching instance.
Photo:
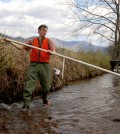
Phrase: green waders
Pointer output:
(41, 71)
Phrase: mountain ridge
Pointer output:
(78, 45)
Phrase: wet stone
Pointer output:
(5, 106)
(116, 120)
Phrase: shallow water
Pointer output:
(87, 107)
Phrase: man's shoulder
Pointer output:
(47, 38)
(33, 38)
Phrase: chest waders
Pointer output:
(41, 72)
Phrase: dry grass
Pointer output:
(12, 74)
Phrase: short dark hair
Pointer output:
(42, 26)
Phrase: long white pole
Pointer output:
(63, 67)
(63, 56)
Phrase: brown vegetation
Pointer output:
(13, 65)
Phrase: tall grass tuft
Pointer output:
(3, 59)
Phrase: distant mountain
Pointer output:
(30, 38)
(72, 45)
(77, 45)
(19, 39)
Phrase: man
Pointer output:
(39, 66)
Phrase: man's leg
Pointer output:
(44, 76)
(31, 78)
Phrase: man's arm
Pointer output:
(19, 46)
(52, 46)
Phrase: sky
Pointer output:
(23, 17)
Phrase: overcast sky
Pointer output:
(22, 18)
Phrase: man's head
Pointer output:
(42, 30)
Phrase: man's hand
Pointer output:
(49, 51)
(2, 40)
(6, 40)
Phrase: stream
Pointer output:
(89, 106)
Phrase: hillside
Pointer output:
(77, 45)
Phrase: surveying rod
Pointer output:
(63, 56)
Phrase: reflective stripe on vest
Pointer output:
(37, 55)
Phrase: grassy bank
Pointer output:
(14, 63)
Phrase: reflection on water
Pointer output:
(88, 107)
(83, 107)
(116, 81)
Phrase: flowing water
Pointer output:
(86, 107)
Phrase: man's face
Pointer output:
(43, 32)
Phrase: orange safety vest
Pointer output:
(37, 55)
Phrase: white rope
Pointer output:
(63, 56)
